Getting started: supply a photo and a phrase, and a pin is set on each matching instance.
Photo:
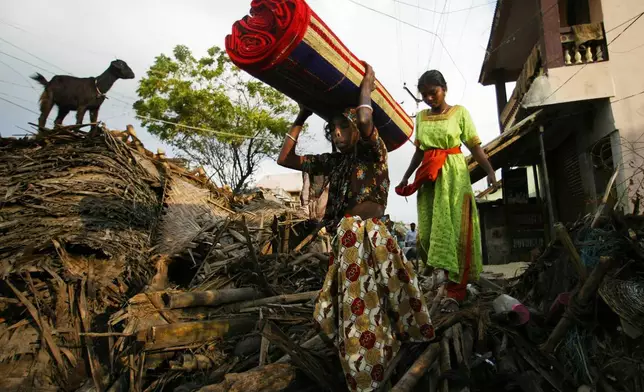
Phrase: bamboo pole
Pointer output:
(253, 257)
(208, 298)
(183, 334)
(418, 369)
(563, 236)
(546, 183)
(581, 300)
(278, 299)
(602, 206)
(314, 342)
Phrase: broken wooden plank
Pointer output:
(94, 364)
(309, 238)
(253, 257)
(192, 363)
(602, 206)
(315, 255)
(392, 366)
(302, 359)
(445, 360)
(155, 300)
(263, 351)
(287, 233)
(315, 342)
(208, 298)
(457, 330)
(45, 329)
(418, 369)
(278, 299)
(566, 241)
(182, 334)
(275, 377)
(237, 235)
(440, 293)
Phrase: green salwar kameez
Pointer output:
(449, 235)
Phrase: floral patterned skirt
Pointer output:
(370, 301)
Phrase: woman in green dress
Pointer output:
(449, 238)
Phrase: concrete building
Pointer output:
(288, 186)
(297, 190)
(576, 115)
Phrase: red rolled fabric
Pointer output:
(286, 45)
(263, 38)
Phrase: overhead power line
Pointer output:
(18, 73)
(33, 55)
(176, 124)
(445, 12)
(632, 20)
(628, 97)
(15, 84)
(20, 106)
(26, 62)
(416, 27)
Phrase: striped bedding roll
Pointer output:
(286, 45)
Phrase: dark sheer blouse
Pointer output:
(353, 178)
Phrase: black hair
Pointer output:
(329, 127)
(328, 130)
(432, 78)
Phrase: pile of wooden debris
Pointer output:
(123, 270)
(102, 243)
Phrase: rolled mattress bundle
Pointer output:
(286, 45)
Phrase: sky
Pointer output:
(394, 36)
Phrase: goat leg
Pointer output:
(93, 118)
(61, 116)
(46, 104)
(45, 109)
(80, 114)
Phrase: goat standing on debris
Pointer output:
(79, 94)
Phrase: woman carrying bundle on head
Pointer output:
(449, 239)
(370, 301)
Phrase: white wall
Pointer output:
(571, 83)
(620, 79)
(627, 69)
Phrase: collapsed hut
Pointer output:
(86, 224)
(122, 270)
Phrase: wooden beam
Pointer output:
(193, 299)
(501, 97)
(185, 334)
(418, 369)
(550, 41)
(566, 241)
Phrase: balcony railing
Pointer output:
(584, 44)
(531, 69)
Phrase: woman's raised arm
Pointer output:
(288, 157)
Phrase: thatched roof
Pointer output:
(88, 215)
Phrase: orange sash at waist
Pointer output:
(429, 169)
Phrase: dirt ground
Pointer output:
(508, 270)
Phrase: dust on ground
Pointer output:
(508, 270)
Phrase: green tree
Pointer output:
(243, 120)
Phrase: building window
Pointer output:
(574, 12)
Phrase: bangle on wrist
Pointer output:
(366, 106)
(291, 137)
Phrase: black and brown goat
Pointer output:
(79, 94)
